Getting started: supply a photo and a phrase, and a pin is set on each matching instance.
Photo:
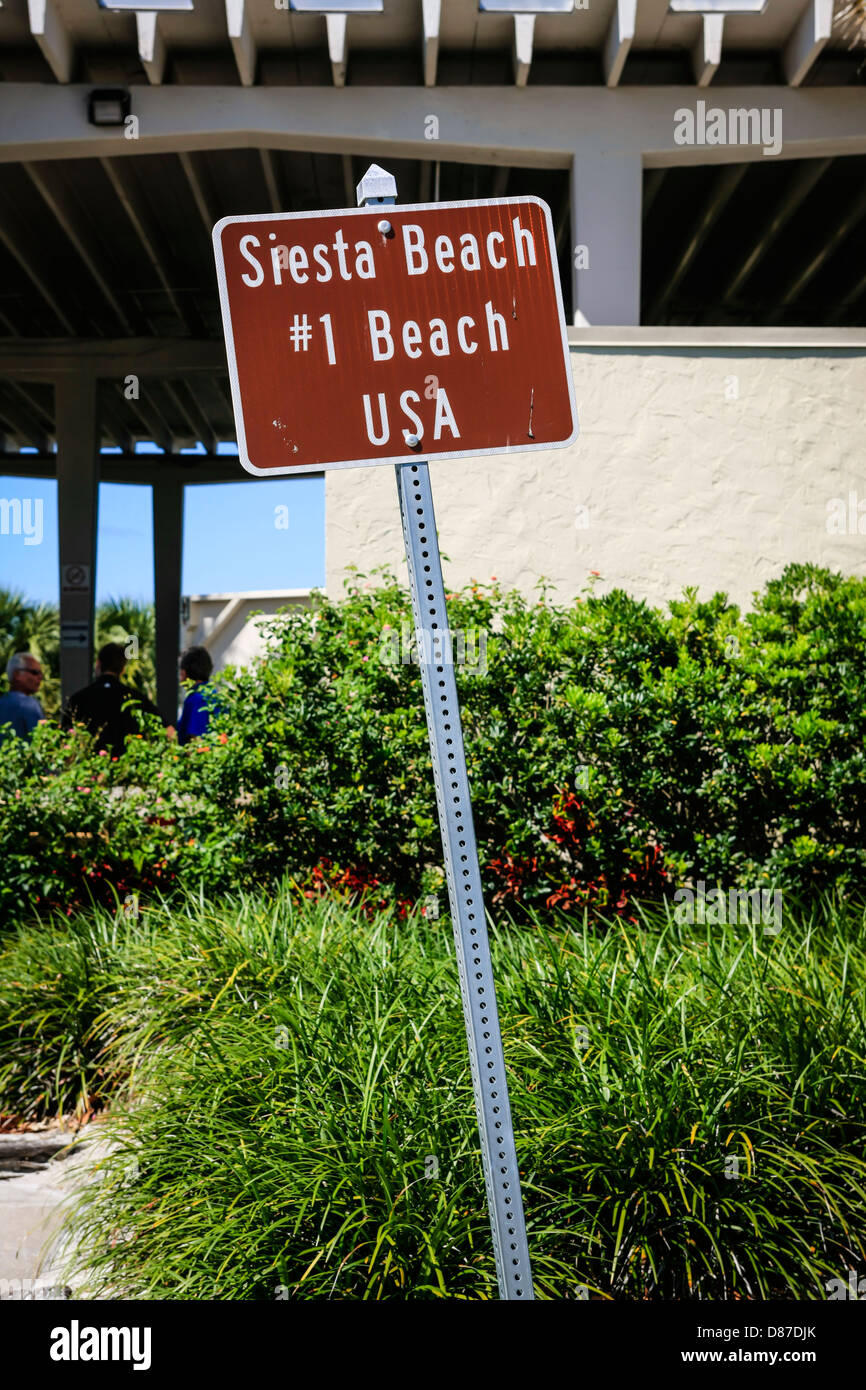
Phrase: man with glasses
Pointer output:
(19, 707)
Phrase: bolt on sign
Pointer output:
(363, 336)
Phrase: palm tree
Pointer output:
(851, 18)
(133, 625)
(34, 628)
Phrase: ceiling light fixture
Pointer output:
(717, 6)
(160, 5)
(108, 106)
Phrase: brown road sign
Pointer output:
(387, 334)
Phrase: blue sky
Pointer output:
(231, 540)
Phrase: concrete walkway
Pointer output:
(37, 1173)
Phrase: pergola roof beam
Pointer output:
(524, 36)
(183, 415)
(43, 359)
(17, 413)
(723, 189)
(620, 36)
(852, 297)
(269, 171)
(156, 411)
(155, 428)
(114, 425)
(348, 181)
(431, 15)
(808, 38)
(563, 217)
(52, 36)
(141, 469)
(147, 233)
(38, 407)
(222, 386)
(707, 52)
(652, 187)
(337, 47)
(425, 181)
(201, 195)
(542, 131)
(151, 45)
(855, 214)
(242, 41)
(12, 239)
(69, 220)
(803, 182)
(204, 430)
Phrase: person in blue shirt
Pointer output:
(196, 666)
(19, 707)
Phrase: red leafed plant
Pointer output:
(102, 883)
(636, 873)
(515, 875)
(356, 883)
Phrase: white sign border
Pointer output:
(412, 457)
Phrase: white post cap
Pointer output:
(376, 186)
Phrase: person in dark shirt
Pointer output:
(108, 708)
(196, 666)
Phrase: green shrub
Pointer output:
(614, 752)
(689, 1103)
(79, 828)
(54, 987)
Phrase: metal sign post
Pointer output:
(484, 1036)
(342, 325)
(454, 804)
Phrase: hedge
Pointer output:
(615, 752)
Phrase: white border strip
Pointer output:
(647, 336)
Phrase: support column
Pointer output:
(167, 570)
(606, 194)
(75, 427)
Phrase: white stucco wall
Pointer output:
(700, 462)
(224, 623)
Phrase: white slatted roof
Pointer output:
(252, 41)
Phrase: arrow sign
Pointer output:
(74, 634)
